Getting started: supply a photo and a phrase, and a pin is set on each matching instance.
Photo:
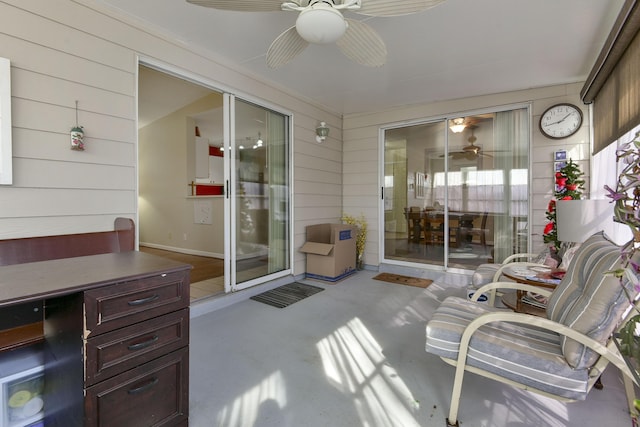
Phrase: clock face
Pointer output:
(561, 121)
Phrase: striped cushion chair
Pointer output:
(561, 356)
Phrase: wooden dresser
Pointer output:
(116, 337)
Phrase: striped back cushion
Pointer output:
(587, 300)
(575, 280)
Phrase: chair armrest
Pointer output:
(517, 256)
(541, 322)
(493, 286)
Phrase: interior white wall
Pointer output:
(362, 152)
(63, 51)
(167, 164)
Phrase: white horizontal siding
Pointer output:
(63, 51)
(65, 34)
(37, 202)
(12, 228)
(72, 175)
(34, 86)
(35, 144)
(50, 61)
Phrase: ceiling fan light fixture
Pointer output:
(457, 125)
(321, 24)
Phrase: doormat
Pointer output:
(285, 295)
(404, 280)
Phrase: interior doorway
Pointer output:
(177, 117)
(213, 183)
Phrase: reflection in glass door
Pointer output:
(260, 197)
(457, 196)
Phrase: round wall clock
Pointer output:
(560, 121)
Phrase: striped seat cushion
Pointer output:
(484, 274)
(588, 300)
(520, 352)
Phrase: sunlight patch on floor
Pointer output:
(355, 365)
(244, 410)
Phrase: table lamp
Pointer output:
(577, 220)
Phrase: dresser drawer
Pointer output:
(154, 394)
(126, 303)
(114, 352)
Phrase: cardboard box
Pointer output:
(331, 251)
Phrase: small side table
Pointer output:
(514, 300)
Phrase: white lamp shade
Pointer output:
(577, 220)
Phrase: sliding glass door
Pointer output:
(214, 181)
(259, 201)
(456, 189)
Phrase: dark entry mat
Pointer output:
(285, 295)
(404, 280)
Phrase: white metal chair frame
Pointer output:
(608, 353)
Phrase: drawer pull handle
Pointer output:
(144, 300)
(144, 387)
(139, 346)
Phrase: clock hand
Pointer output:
(562, 119)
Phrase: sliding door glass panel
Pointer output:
(414, 226)
(457, 198)
(261, 192)
(512, 137)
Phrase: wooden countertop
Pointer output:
(46, 279)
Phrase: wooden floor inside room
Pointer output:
(207, 275)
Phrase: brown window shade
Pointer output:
(614, 83)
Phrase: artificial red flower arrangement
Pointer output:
(569, 186)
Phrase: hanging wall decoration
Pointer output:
(77, 135)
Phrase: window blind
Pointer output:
(613, 86)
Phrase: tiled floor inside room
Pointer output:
(207, 274)
(466, 256)
(353, 355)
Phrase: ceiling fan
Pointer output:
(322, 21)
(471, 151)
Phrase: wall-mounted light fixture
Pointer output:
(457, 125)
(322, 132)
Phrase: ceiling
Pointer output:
(457, 49)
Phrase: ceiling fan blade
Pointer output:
(395, 8)
(363, 45)
(285, 47)
(241, 5)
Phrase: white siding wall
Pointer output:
(361, 152)
(62, 51)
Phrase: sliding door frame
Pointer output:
(432, 120)
(231, 208)
(229, 96)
